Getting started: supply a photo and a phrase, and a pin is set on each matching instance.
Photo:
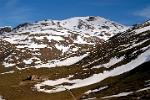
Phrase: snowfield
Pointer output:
(66, 62)
(77, 83)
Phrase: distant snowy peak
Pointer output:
(90, 22)
(5, 29)
(51, 40)
(92, 25)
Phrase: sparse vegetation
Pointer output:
(20, 84)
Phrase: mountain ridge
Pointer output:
(46, 36)
(82, 24)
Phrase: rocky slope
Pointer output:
(119, 57)
(45, 43)
(34, 66)
(123, 66)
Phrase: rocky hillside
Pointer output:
(45, 43)
(111, 70)
(121, 66)
(43, 62)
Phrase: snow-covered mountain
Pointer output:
(92, 25)
(67, 60)
(42, 42)
(110, 68)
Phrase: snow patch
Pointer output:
(28, 62)
(147, 88)
(142, 29)
(112, 61)
(66, 62)
(96, 90)
(8, 64)
(77, 83)
(8, 72)
(62, 48)
(118, 95)
(80, 40)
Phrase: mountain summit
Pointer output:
(91, 25)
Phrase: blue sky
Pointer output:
(128, 12)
